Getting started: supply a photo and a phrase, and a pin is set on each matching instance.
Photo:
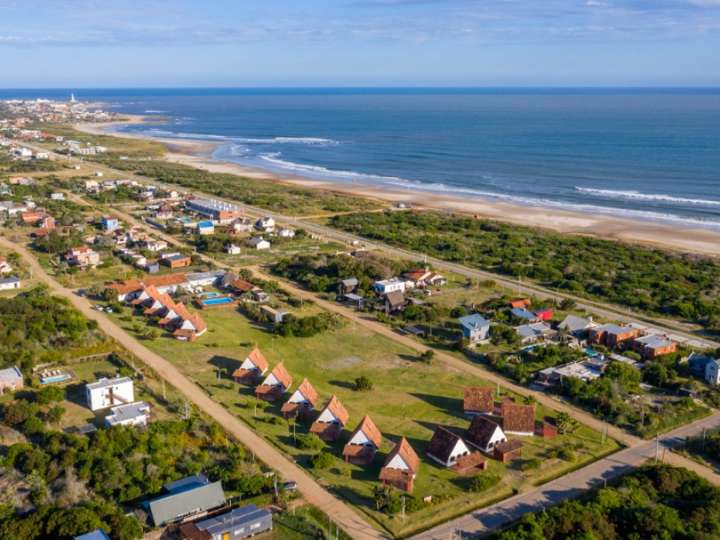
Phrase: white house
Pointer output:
(232, 249)
(485, 434)
(5, 267)
(712, 372)
(258, 242)
(109, 392)
(11, 379)
(387, 286)
(9, 283)
(265, 224)
(475, 327)
(446, 448)
(286, 233)
(130, 414)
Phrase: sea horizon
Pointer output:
(648, 153)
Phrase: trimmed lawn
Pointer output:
(409, 399)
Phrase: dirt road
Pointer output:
(350, 521)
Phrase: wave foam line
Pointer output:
(638, 196)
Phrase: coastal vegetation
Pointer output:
(36, 328)
(647, 280)
(656, 501)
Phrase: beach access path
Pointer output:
(342, 515)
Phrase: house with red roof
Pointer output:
(331, 421)
(401, 467)
(364, 443)
(517, 419)
(302, 401)
(275, 385)
(479, 400)
(252, 368)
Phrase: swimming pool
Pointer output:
(209, 294)
(216, 301)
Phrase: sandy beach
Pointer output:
(196, 153)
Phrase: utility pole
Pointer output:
(163, 390)
(657, 447)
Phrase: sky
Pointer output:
(251, 43)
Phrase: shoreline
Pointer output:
(198, 154)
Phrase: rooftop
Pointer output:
(106, 383)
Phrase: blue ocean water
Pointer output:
(643, 153)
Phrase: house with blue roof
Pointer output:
(206, 227)
(524, 314)
(475, 327)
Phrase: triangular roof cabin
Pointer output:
(364, 442)
(302, 400)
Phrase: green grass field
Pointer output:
(409, 399)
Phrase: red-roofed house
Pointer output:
(401, 467)
(478, 400)
(517, 419)
(332, 420)
(275, 385)
(252, 369)
(82, 256)
(302, 401)
(363, 444)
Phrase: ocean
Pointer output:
(640, 153)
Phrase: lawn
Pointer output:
(409, 399)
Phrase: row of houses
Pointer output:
(401, 465)
(537, 327)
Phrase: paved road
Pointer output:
(350, 521)
(486, 520)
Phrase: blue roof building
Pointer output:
(475, 327)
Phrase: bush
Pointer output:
(310, 441)
(363, 384)
(321, 461)
(530, 464)
(483, 482)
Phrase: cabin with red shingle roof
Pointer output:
(517, 419)
(275, 385)
(252, 369)
(331, 421)
(401, 467)
(302, 402)
(363, 444)
(478, 400)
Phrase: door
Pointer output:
(226, 536)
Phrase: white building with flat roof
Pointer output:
(130, 414)
(109, 392)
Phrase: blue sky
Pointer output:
(96, 43)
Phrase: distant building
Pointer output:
(286, 233)
(10, 283)
(364, 443)
(205, 227)
(712, 372)
(302, 401)
(265, 224)
(331, 421)
(475, 327)
(258, 242)
(401, 467)
(188, 497)
(10, 379)
(82, 256)
(130, 414)
(239, 523)
(387, 286)
(176, 260)
(109, 223)
(219, 210)
(612, 335)
(653, 346)
(109, 392)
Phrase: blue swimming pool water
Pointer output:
(215, 301)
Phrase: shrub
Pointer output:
(483, 482)
(323, 460)
(310, 441)
(363, 384)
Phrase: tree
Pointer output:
(566, 423)
(55, 414)
(363, 384)
(427, 355)
(322, 460)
